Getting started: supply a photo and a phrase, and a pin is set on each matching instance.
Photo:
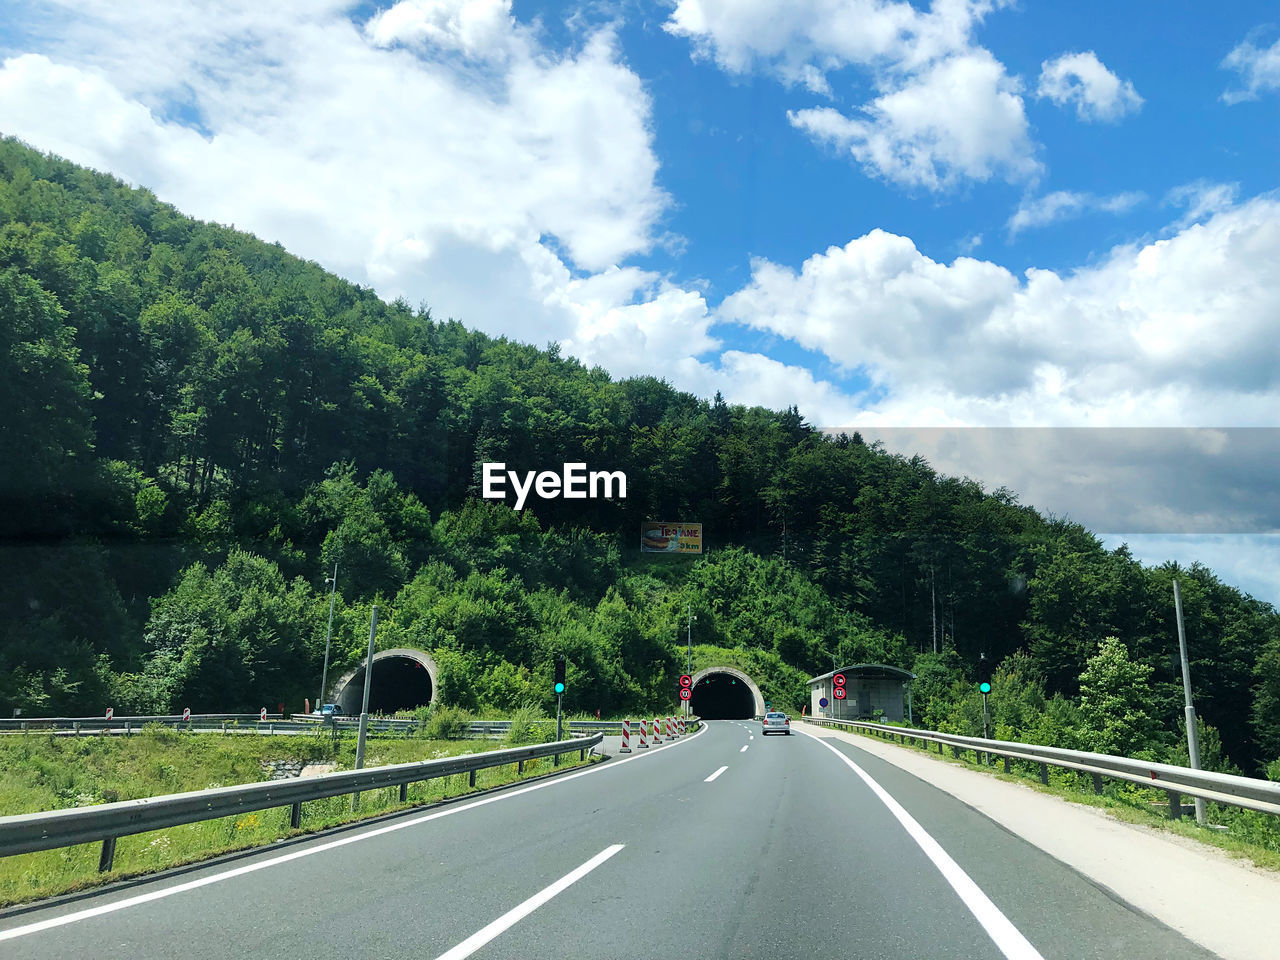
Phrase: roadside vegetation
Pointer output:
(47, 773)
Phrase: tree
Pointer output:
(1116, 712)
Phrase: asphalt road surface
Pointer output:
(725, 844)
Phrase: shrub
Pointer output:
(446, 723)
(528, 726)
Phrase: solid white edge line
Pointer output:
(716, 774)
(14, 932)
(513, 916)
(1000, 929)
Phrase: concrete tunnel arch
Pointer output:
(403, 679)
(725, 693)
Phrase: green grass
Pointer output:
(46, 773)
(1250, 835)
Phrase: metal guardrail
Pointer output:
(275, 723)
(102, 723)
(106, 822)
(1247, 792)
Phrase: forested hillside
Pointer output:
(195, 425)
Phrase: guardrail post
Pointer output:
(295, 815)
(1044, 774)
(555, 760)
(1097, 782)
(108, 855)
(955, 753)
(582, 754)
(519, 766)
(1006, 765)
(77, 727)
(127, 729)
(404, 793)
(1175, 804)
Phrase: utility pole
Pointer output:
(364, 707)
(324, 677)
(1193, 735)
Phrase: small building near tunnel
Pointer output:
(868, 687)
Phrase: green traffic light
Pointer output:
(984, 687)
(559, 688)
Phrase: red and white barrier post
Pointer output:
(657, 731)
(681, 723)
(626, 737)
(643, 745)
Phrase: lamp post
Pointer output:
(324, 677)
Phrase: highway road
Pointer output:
(723, 845)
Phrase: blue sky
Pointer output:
(970, 213)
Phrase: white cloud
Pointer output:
(430, 153)
(794, 39)
(478, 28)
(945, 110)
(1178, 331)
(1259, 69)
(1202, 198)
(961, 118)
(1066, 204)
(1081, 79)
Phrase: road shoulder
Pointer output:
(1224, 904)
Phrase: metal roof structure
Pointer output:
(866, 670)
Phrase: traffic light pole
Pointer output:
(985, 735)
(559, 725)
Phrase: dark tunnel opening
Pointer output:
(399, 683)
(722, 696)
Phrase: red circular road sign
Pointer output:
(838, 679)
(685, 693)
(686, 680)
(840, 693)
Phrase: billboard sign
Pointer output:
(659, 537)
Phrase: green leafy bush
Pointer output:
(446, 723)
(529, 725)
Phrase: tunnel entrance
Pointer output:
(723, 696)
(402, 680)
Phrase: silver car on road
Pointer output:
(775, 723)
